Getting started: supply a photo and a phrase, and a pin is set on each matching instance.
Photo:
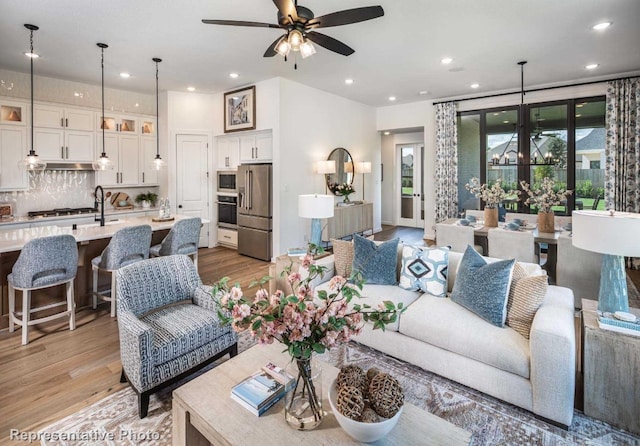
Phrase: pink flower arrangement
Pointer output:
(304, 321)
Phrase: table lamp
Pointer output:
(614, 234)
(315, 207)
(363, 167)
(326, 168)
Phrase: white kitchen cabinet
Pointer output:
(148, 149)
(228, 237)
(56, 117)
(124, 152)
(13, 147)
(228, 148)
(64, 145)
(256, 147)
(13, 113)
(147, 126)
(114, 123)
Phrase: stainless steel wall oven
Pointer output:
(227, 211)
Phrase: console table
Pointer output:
(611, 367)
(348, 220)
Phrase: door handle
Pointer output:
(67, 152)
(61, 122)
(143, 177)
(66, 120)
(256, 153)
(62, 152)
(250, 189)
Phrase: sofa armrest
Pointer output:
(553, 357)
(136, 350)
(202, 297)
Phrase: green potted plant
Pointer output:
(147, 199)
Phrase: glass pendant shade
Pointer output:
(307, 49)
(295, 39)
(158, 163)
(32, 162)
(103, 163)
(283, 47)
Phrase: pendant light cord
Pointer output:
(157, 114)
(31, 152)
(104, 154)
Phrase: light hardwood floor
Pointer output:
(60, 371)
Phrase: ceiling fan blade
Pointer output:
(240, 23)
(346, 17)
(330, 43)
(288, 10)
(271, 51)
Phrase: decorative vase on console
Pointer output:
(492, 196)
(305, 324)
(344, 189)
(544, 196)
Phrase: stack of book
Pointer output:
(263, 389)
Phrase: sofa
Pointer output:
(438, 335)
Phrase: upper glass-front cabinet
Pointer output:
(13, 113)
(118, 123)
(148, 127)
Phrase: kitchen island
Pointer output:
(91, 238)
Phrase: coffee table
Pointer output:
(204, 413)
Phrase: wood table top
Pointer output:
(539, 237)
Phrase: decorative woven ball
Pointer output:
(350, 402)
(369, 415)
(373, 371)
(352, 375)
(385, 395)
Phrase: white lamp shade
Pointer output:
(326, 167)
(599, 231)
(363, 167)
(315, 206)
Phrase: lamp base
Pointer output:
(316, 231)
(613, 285)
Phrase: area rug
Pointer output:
(114, 420)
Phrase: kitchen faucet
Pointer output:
(95, 194)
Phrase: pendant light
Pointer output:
(102, 163)
(158, 163)
(32, 162)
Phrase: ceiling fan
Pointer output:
(299, 23)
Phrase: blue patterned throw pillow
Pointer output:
(425, 269)
(376, 263)
(482, 287)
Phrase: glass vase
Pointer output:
(303, 404)
(346, 199)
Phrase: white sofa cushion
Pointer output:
(373, 295)
(445, 324)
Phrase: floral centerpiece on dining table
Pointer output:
(544, 197)
(305, 323)
(492, 195)
(344, 189)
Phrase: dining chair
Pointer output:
(43, 262)
(578, 269)
(476, 213)
(505, 244)
(457, 237)
(127, 246)
(182, 239)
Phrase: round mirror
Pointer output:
(344, 169)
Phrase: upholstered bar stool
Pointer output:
(127, 246)
(182, 239)
(43, 262)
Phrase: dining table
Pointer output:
(481, 233)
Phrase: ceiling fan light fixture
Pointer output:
(283, 47)
(307, 49)
(295, 39)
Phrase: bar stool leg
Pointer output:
(12, 307)
(95, 288)
(113, 293)
(71, 306)
(26, 312)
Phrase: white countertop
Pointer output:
(107, 212)
(15, 239)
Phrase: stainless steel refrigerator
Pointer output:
(254, 211)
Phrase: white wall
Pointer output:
(312, 124)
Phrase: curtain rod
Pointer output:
(495, 95)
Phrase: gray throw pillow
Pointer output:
(482, 287)
(376, 263)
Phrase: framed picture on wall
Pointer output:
(240, 109)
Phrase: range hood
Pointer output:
(69, 166)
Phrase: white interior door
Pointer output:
(410, 188)
(192, 192)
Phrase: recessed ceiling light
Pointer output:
(602, 25)
(475, 85)
(137, 105)
(124, 75)
(77, 94)
(233, 75)
(387, 133)
(191, 88)
(348, 81)
(32, 55)
(392, 98)
(446, 60)
(592, 66)
(423, 92)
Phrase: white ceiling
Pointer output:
(398, 54)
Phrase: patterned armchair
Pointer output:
(168, 325)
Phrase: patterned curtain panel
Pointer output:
(446, 162)
(622, 164)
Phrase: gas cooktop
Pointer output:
(62, 211)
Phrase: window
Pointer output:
(571, 131)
